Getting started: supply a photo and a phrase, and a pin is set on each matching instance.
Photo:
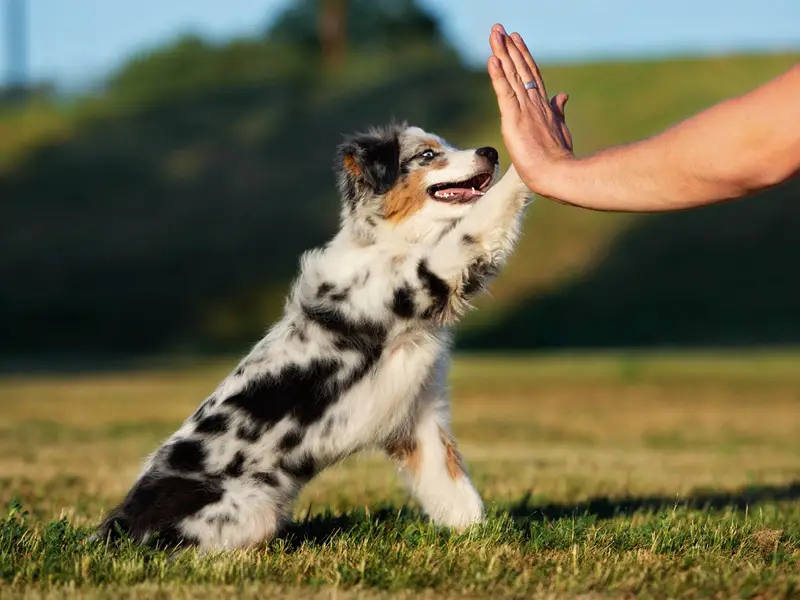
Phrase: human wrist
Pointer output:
(553, 179)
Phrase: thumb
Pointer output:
(559, 103)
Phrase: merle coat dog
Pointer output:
(359, 359)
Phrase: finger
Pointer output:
(499, 28)
(522, 69)
(558, 103)
(506, 96)
(500, 44)
(522, 47)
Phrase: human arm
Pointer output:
(733, 149)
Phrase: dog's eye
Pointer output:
(428, 154)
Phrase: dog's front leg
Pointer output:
(433, 467)
(487, 233)
(458, 266)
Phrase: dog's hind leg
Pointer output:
(434, 469)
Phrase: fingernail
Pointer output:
(500, 28)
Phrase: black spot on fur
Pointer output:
(267, 478)
(239, 371)
(362, 335)
(328, 427)
(235, 468)
(377, 156)
(469, 240)
(371, 221)
(436, 287)
(323, 289)
(304, 392)
(291, 440)
(156, 505)
(403, 302)
(199, 413)
(300, 469)
(301, 392)
(340, 296)
(186, 456)
(381, 164)
(477, 276)
(249, 433)
(213, 424)
(220, 519)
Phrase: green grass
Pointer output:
(605, 476)
(671, 552)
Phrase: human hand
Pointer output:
(534, 127)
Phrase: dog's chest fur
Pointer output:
(361, 285)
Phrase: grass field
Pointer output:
(605, 476)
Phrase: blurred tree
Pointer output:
(331, 27)
(190, 64)
(333, 32)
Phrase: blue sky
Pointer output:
(77, 41)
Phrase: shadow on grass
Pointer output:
(320, 529)
(605, 507)
(411, 526)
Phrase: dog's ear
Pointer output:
(370, 160)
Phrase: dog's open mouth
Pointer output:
(461, 191)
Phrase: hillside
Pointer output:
(720, 276)
(173, 221)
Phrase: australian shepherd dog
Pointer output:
(358, 361)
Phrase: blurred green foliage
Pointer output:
(167, 213)
(370, 25)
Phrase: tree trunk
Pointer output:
(333, 32)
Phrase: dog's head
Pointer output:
(403, 181)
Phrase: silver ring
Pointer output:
(531, 85)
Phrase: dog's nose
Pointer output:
(488, 153)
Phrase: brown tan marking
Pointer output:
(452, 456)
(406, 452)
(406, 197)
(351, 166)
(433, 144)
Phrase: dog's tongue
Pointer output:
(458, 194)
